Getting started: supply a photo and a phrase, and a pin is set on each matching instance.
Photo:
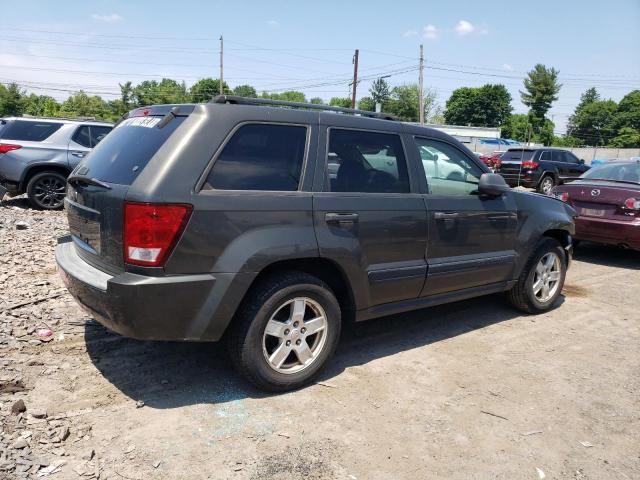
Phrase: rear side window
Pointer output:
(265, 157)
(124, 153)
(90, 135)
(82, 137)
(517, 155)
(98, 133)
(29, 131)
(367, 162)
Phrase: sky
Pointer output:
(56, 47)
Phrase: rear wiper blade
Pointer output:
(88, 180)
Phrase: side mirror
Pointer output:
(581, 161)
(492, 185)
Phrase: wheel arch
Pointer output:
(33, 170)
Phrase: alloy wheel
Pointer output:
(49, 192)
(295, 335)
(546, 279)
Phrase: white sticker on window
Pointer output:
(147, 122)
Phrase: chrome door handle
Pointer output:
(79, 154)
(341, 217)
(445, 215)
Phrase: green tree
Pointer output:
(627, 138)
(567, 141)
(380, 91)
(541, 90)
(367, 103)
(593, 122)
(82, 105)
(11, 100)
(517, 127)
(545, 135)
(316, 101)
(40, 105)
(344, 102)
(404, 103)
(486, 106)
(205, 89)
(288, 96)
(628, 114)
(126, 96)
(245, 91)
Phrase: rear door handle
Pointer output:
(445, 215)
(341, 217)
(79, 154)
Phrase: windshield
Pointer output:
(625, 172)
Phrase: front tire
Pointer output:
(541, 280)
(285, 331)
(46, 190)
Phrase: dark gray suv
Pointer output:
(270, 223)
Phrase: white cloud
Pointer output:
(410, 33)
(114, 17)
(273, 23)
(464, 27)
(507, 68)
(430, 32)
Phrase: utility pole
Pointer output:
(221, 67)
(420, 86)
(355, 78)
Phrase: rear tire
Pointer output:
(285, 331)
(46, 190)
(542, 278)
(546, 184)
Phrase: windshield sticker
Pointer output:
(147, 122)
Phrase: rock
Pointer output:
(156, 464)
(130, 449)
(88, 455)
(21, 225)
(18, 407)
(19, 444)
(140, 404)
(38, 413)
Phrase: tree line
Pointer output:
(596, 121)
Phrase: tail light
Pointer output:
(564, 196)
(151, 231)
(7, 147)
(631, 204)
(531, 164)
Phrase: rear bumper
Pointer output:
(515, 180)
(610, 232)
(181, 307)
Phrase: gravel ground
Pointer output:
(465, 391)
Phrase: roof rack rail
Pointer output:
(235, 100)
(77, 119)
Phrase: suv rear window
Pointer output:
(29, 131)
(124, 152)
(264, 157)
(517, 155)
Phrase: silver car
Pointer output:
(37, 155)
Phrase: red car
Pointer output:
(607, 200)
(492, 160)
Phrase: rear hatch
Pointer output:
(602, 199)
(98, 186)
(511, 160)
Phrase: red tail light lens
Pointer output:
(151, 231)
(564, 196)
(7, 147)
(632, 204)
(532, 164)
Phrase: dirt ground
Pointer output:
(465, 391)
